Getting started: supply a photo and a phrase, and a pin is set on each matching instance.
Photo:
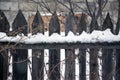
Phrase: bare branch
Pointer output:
(88, 7)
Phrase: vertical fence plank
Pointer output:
(4, 24)
(5, 65)
(1, 66)
(54, 55)
(4, 27)
(82, 24)
(20, 65)
(117, 30)
(117, 71)
(69, 53)
(54, 25)
(38, 64)
(69, 25)
(19, 26)
(54, 64)
(38, 24)
(37, 55)
(107, 64)
(82, 64)
(93, 25)
(107, 23)
(94, 75)
(107, 54)
(82, 52)
(117, 26)
(69, 64)
(118, 21)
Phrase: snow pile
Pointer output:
(95, 36)
(5, 38)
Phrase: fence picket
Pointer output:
(1, 67)
(20, 56)
(20, 65)
(37, 55)
(93, 25)
(54, 55)
(37, 64)
(117, 30)
(4, 24)
(107, 54)
(69, 53)
(4, 27)
(69, 64)
(107, 64)
(19, 26)
(117, 27)
(82, 52)
(4, 65)
(69, 23)
(38, 24)
(108, 23)
(94, 75)
(82, 64)
(82, 26)
(94, 53)
(117, 71)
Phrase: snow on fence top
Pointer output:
(95, 36)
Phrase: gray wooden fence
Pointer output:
(110, 51)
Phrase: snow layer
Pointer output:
(95, 36)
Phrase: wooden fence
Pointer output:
(19, 51)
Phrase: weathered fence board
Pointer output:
(107, 64)
(20, 64)
(1, 66)
(94, 74)
(69, 53)
(82, 25)
(54, 55)
(82, 64)
(69, 64)
(70, 22)
(82, 52)
(19, 26)
(108, 23)
(37, 54)
(54, 64)
(4, 24)
(4, 27)
(38, 24)
(93, 25)
(37, 64)
(4, 65)
(107, 54)
(117, 71)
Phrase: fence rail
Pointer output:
(105, 45)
